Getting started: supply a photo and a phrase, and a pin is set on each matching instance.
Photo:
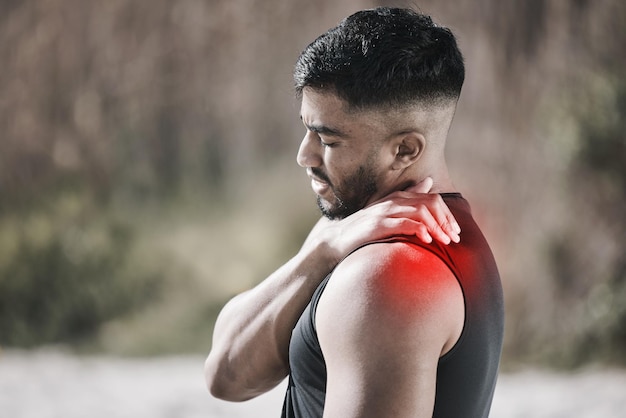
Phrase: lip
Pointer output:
(319, 186)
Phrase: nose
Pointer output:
(309, 152)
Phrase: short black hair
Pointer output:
(384, 57)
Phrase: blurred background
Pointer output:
(148, 174)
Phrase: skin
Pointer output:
(389, 311)
(251, 338)
(387, 315)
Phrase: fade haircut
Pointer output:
(384, 57)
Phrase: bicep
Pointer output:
(379, 386)
(382, 331)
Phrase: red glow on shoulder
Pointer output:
(413, 278)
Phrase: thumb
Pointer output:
(423, 186)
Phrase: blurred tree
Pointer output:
(63, 273)
(129, 106)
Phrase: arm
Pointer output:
(251, 337)
(387, 315)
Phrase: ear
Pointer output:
(408, 148)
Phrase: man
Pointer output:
(368, 320)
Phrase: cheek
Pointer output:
(336, 168)
(342, 164)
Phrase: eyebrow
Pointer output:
(323, 129)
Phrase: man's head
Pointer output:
(385, 57)
(378, 93)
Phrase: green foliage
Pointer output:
(588, 257)
(603, 135)
(65, 270)
(601, 168)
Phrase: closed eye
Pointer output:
(324, 130)
(328, 144)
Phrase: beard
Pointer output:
(351, 195)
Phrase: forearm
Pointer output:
(251, 337)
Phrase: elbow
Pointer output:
(216, 380)
(221, 382)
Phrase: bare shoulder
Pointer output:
(387, 315)
(394, 287)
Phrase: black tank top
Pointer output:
(466, 375)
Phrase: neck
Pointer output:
(438, 171)
(442, 183)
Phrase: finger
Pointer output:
(423, 186)
(433, 226)
(419, 230)
(451, 229)
(443, 216)
(432, 217)
(450, 225)
(446, 221)
(404, 226)
(454, 224)
(440, 235)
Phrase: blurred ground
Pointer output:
(50, 384)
